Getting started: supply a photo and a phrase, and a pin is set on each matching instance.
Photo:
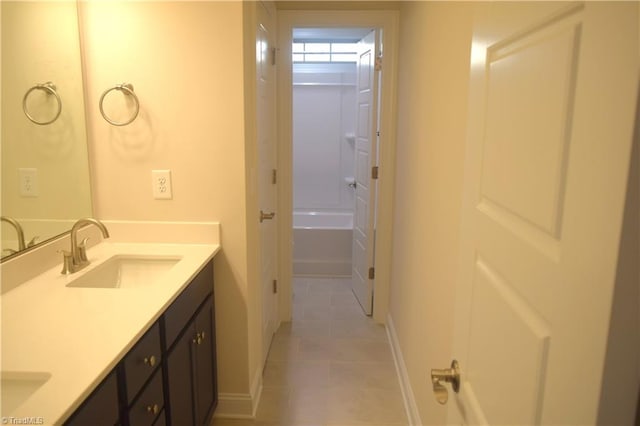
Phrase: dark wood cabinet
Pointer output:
(191, 370)
(178, 316)
(179, 381)
(148, 405)
(191, 361)
(205, 364)
(169, 377)
(101, 407)
(141, 362)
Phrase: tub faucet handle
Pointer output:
(351, 182)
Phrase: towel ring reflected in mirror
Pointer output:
(50, 89)
(127, 89)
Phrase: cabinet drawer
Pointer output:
(141, 361)
(146, 409)
(101, 408)
(180, 311)
(162, 419)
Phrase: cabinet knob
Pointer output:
(153, 409)
(199, 338)
(150, 360)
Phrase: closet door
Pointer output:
(267, 180)
(552, 110)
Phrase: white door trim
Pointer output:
(388, 21)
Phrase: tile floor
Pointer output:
(331, 366)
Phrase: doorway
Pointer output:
(334, 149)
(293, 23)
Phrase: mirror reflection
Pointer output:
(45, 173)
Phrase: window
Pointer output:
(324, 52)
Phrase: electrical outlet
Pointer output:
(161, 180)
(28, 179)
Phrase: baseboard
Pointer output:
(240, 405)
(256, 390)
(234, 406)
(405, 384)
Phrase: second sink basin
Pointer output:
(17, 387)
(126, 271)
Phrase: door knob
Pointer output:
(266, 216)
(447, 375)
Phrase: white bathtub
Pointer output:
(322, 243)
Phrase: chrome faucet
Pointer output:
(19, 230)
(76, 259)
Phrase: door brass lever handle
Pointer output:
(447, 375)
(266, 216)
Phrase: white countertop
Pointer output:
(78, 335)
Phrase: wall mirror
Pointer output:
(45, 170)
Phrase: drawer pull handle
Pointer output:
(153, 409)
(150, 361)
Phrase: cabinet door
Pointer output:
(101, 407)
(205, 363)
(180, 379)
(184, 307)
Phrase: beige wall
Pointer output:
(185, 61)
(432, 106)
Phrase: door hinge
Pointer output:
(374, 172)
(372, 273)
(274, 176)
(275, 286)
(378, 64)
(273, 55)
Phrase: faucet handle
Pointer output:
(67, 264)
(82, 250)
(33, 241)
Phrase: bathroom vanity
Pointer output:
(169, 377)
(82, 349)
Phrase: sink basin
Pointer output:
(17, 387)
(126, 271)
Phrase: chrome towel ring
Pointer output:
(127, 89)
(50, 89)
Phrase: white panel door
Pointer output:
(552, 108)
(365, 158)
(266, 166)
